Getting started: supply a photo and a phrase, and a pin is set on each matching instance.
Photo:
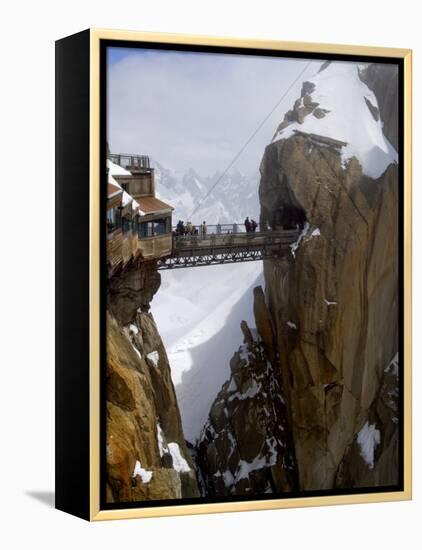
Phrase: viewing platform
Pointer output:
(226, 244)
(139, 226)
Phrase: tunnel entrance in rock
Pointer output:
(289, 216)
(283, 211)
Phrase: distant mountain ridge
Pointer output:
(233, 198)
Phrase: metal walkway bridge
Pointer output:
(227, 244)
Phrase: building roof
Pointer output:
(150, 205)
(113, 190)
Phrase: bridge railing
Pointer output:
(234, 240)
(219, 229)
(130, 161)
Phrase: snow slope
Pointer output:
(198, 310)
(198, 313)
(339, 90)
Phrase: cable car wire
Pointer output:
(248, 141)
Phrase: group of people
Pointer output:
(250, 225)
(189, 229)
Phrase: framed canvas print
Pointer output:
(233, 274)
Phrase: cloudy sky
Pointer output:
(197, 110)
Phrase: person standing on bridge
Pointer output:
(203, 229)
(189, 228)
(248, 226)
(254, 225)
(180, 228)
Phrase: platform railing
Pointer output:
(219, 229)
(130, 161)
(233, 239)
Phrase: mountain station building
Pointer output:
(138, 223)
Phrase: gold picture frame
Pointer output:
(91, 509)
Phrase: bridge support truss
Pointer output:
(219, 258)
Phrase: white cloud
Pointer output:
(197, 110)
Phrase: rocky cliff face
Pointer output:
(245, 446)
(147, 458)
(334, 301)
(383, 80)
(312, 400)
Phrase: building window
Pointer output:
(160, 227)
(154, 228)
(145, 230)
(112, 219)
(126, 224)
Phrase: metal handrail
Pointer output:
(185, 242)
(127, 159)
(227, 229)
(221, 229)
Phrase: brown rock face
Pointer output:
(245, 446)
(334, 308)
(382, 459)
(263, 322)
(383, 81)
(131, 289)
(147, 457)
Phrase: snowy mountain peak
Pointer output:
(233, 198)
(191, 174)
(336, 105)
(193, 182)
